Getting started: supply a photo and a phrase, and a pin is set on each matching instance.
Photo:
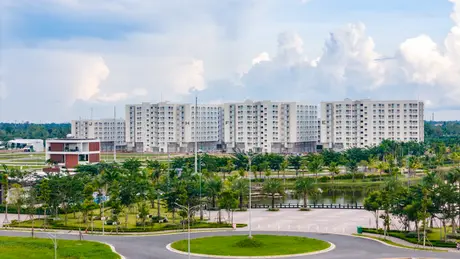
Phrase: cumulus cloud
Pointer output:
(350, 66)
(261, 58)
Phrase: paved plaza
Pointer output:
(340, 221)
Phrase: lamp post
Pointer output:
(250, 198)
(188, 209)
(54, 239)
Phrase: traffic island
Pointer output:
(241, 246)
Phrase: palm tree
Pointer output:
(272, 187)
(315, 166)
(414, 164)
(241, 187)
(214, 187)
(381, 167)
(283, 166)
(334, 169)
(372, 163)
(304, 186)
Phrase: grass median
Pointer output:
(37, 248)
(259, 245)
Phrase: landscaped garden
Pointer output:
(258, 245)
(38, 248)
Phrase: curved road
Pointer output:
(140, 247)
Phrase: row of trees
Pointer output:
(437, 196)
(130, 186)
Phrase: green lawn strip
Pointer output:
(109, 228)
(35, 248)
(75, 222)
(260, 245)
(399, 245)
(402, 235)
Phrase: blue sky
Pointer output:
(83, 54)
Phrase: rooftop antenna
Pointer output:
(91, 113)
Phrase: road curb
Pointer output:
(112, 248)
(330, 248)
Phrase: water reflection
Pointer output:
(329, 195)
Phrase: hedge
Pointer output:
(408, 236)
(135, 229)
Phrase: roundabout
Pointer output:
(241, 246)
(155, 246)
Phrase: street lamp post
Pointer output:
(188, 209)
(54, 239)
(250, 205)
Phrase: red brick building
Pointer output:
(71, 152)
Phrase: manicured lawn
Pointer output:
(35, 248)
(76, 222)
(260, 245)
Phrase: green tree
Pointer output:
(333, 170)
(17, 198)
(305, 186)
(241, 187)
(44, 197)
(295, 162)
(315, 165)
(228, 201)
(272, 187)
(373, 203)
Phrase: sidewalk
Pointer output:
(408, 244)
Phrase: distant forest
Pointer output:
(447, 132)
(9, 131)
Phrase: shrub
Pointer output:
(274, 209)
(249, 243)
(305, 209)
(453, 236)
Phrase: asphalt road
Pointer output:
(154, 247)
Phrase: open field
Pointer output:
(34, 248)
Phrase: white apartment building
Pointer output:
(106, 130)
(266, 126)
(169, 127)
(364, 123)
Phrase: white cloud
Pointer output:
(261, 58)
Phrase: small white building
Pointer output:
(27, 145)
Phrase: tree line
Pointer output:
(9, 131)
(437, 196)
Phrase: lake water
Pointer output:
(328, 196)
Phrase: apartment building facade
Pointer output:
(111, 132)
(266, 126)
(365, 123)
(171, 127)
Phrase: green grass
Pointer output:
(35, 248)
(403, 235)
(76, 222)
(260, 245)
(399, 245)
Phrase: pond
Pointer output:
(329, 195)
